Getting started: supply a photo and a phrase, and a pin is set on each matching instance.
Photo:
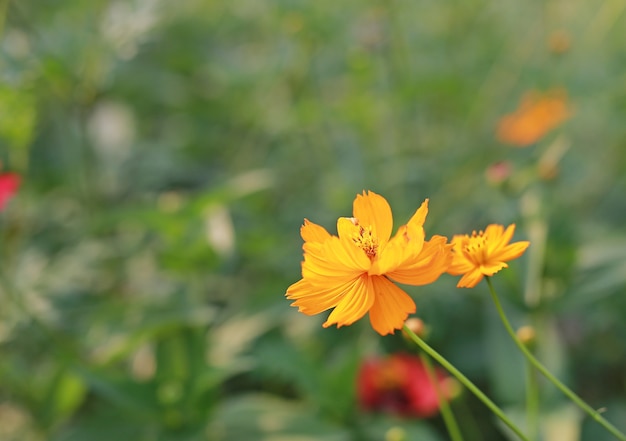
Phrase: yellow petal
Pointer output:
(391, 306)
(347, 229)
(333, 261)
(495, 231)
(489, 269)
(356, 300)
(498, 237)
(507, 235)
(494, 234)
(460, 265)
(312, 232)
(419, 217)
(346, 252)
(312, 300)
(459, 240)
(404, 247)
(373, 210)
(512, 251)
(392, 254)
(324, 269)
(470, 279)
(426, 267)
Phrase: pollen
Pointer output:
(366, 240)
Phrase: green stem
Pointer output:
(541, 368)
(532, 400)
(465, 382)
(4, 6)
(446, 411)
(470, 427)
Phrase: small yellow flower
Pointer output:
(351, 272)
(483, 254)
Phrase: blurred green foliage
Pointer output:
(170, 150)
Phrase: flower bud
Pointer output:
(416, 325)
(451, 388)
(396, 434)
(498, 172)
(526, 335)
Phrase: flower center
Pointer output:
(365, 240)
(476, 247)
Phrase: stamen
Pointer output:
(476, 247)
(366, 240)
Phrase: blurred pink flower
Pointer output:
(9, 183)
(498, 172)
(399, 384)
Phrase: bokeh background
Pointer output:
(169, 152)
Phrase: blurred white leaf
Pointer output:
(230, 339)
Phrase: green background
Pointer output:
(171, 149)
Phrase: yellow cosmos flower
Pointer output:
(483, 254)
(351, 272)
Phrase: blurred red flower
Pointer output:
(399, 384)
(9, 183)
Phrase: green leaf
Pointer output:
(138, 399)
(262, 417)
(65, 394)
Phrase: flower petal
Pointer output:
(393, 254)
(426, 267)
(460, 263)
(347, 228)
(312, 300)
(489, 269)
(334, 262)
(348, 253)
(512, 251)
(497, 237)
(312, 232)
(507, 235)
(322, 269)
(404, 247)
(470, 279)
(373, 210)
(391, 306)
(419, 217)
(357, 299)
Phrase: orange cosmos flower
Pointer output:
(351, 272)
(483, 254)
(536, 115)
